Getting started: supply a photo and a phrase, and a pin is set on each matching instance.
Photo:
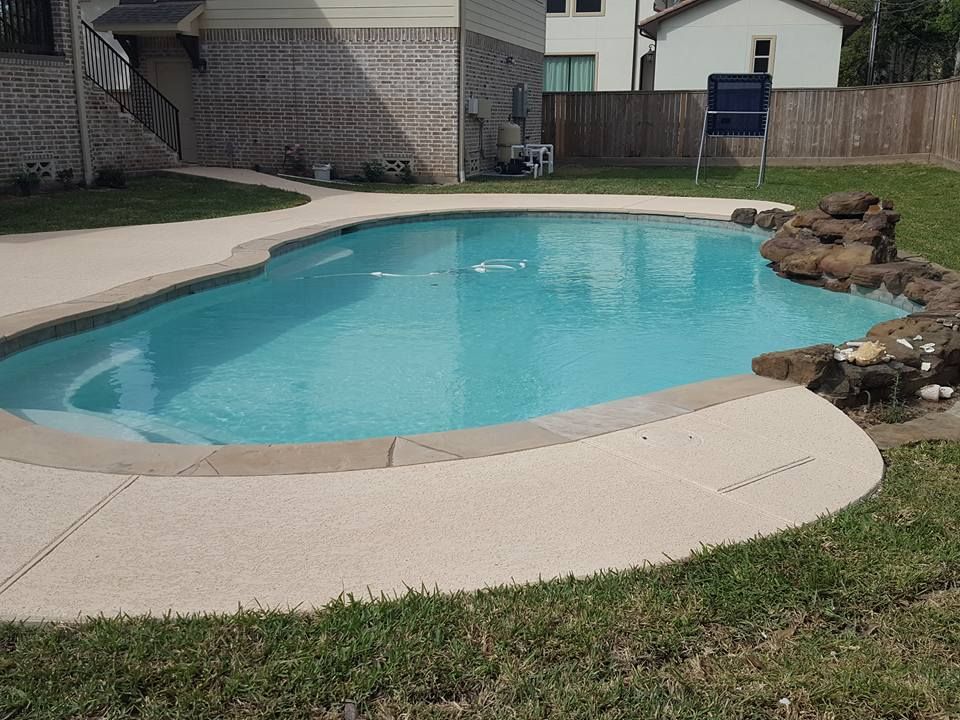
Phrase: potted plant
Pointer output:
(27, 183)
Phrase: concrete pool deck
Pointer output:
(657, 477)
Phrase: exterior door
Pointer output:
(174, 78)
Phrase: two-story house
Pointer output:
(594, 45)
(408, 84)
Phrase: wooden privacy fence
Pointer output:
(919, 122)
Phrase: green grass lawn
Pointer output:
(925, 194)
(854, 616)
(162, 198)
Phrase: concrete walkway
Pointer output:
(76, 543)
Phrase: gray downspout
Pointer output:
(86, 159)
(636, 45)
(461, 100)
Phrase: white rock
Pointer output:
(905, 343)
(925, 367)
(930, 392)
(946, 393)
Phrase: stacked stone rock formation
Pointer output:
(849, 241)
(824, 246)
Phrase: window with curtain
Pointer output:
(590, 7)
(569, 73)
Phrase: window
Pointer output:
(569, 73)
(556, 7)
(761, 59)
(588, 7)
(26, 26)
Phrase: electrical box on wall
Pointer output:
(520, 93)
(473, 106)
(484, 109)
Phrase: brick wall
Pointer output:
(38, 105)
(493, 68)
(346, 95)
(117, 138)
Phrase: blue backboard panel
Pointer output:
(738, 104)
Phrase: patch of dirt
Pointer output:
(881, 413)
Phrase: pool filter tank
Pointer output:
(509, 134)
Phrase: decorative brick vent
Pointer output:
(44, 168)
(473, 163)
(395, 166)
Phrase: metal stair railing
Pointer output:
(136, 95)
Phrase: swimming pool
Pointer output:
(436, 324)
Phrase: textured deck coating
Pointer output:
(708, 463)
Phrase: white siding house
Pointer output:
(796, 41)
(519, 22)
(593, 45)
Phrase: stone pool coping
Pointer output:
(25, 441)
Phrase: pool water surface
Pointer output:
(432, 325)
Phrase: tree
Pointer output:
(918, 40)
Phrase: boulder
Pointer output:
(804, 366)
(894, 275)
(805, 263)
(744, 216)
(837, 285)
(920, 289)
(832, 230)
(787, 242)
(945, 300)
(862, 233)
(901, 353)
(773, 219)
(847, 385)
(843, 260)
(848, 204)
(807, 218)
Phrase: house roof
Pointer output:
(149, 14)
(850, 19)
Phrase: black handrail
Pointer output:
(114, 74)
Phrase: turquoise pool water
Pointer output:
(433, 325)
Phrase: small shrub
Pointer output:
(894, 411)
(406, 175)
(295, 161)
(27, 182)
(65, 177)
(374, 171)
(112, 176)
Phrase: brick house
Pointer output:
(350, 82)
(54, 115)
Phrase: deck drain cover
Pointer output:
(668, 438)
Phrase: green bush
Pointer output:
(27, 182)
(374, 171)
